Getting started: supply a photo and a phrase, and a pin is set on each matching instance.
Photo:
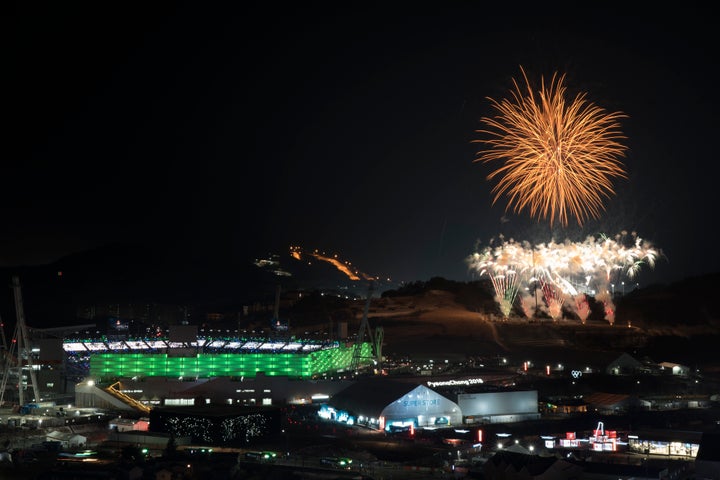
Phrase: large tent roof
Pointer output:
(370, 396)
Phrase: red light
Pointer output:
(479, 436)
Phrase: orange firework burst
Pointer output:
(559, 158)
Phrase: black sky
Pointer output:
(230, 130)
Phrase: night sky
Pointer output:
(227, 133)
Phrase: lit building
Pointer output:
(196, 370)
(260, 390)
(210, 358)
(499, 407)
(665, 442)
(121, 424)
(384, 404)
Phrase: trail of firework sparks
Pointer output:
(506, 288)
(553, 298)
(582, 307)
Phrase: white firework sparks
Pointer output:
(563, 270)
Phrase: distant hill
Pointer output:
(689, 303)
(133, 274)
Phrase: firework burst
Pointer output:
(558, 157)
(567, 270)
(499, 265)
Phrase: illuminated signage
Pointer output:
(419, 403)
(449, 383)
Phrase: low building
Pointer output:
(676, 443)
(564, 406)
(614, 403)
(674, 369)
(384, 404)
(499, 407)
(121, 424)
(255, 391)
(66, 440)
(625, 364)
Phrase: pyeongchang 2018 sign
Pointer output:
(451, 383)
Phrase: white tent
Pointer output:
(517, 448)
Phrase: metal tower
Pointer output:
(375, 339)
(24, 352)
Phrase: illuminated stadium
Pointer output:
(206, 357)
(182, 366)
(184, 352)
(189, 369)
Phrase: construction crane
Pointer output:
(376, 338)
(21, 342)
(2, 332)
(8, 361)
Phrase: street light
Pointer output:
(623, 288)
(613, 288)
